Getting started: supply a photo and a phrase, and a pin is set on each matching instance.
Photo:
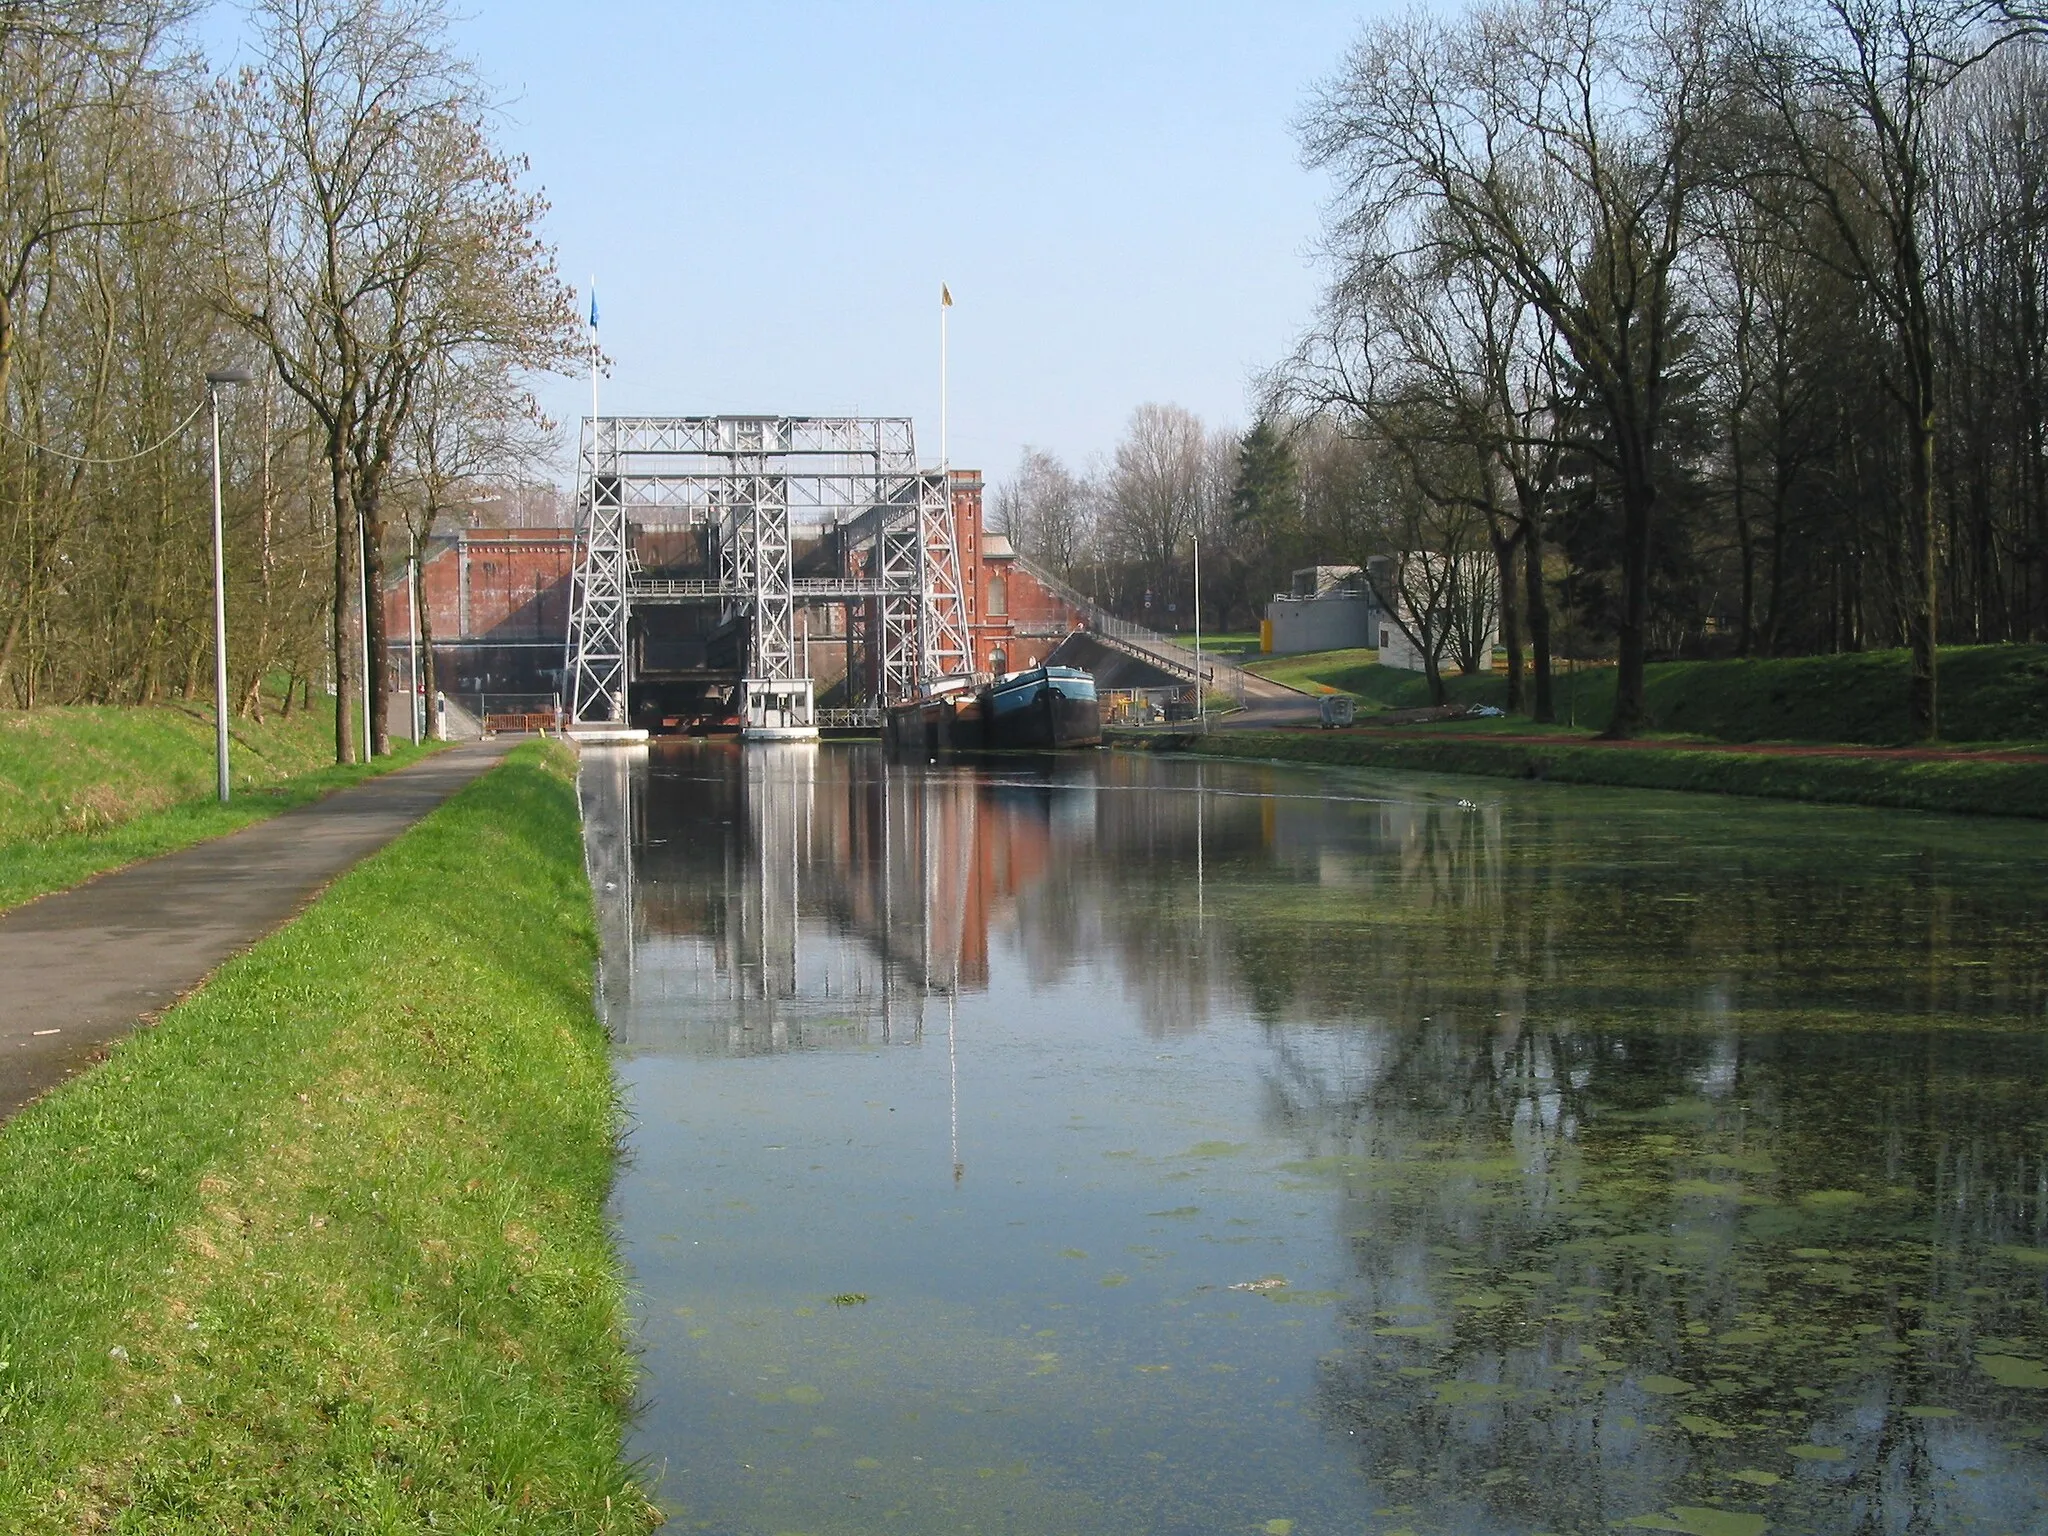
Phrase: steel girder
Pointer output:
(594, 653)
(752, 480)
(942, 617)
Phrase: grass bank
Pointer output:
(1989, 693)
(1988, 788)
(325, 1250)
(87, 789)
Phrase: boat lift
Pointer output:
(755, 485)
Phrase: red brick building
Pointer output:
(497, 602)
(1013, 618)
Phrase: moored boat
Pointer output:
(947, 719)
(1041, 708)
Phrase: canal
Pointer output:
(1128, 1144)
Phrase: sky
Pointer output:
(768, 197)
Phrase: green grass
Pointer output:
(1236, 646)
(325, 1250)
(88, 789)
(1987, 788)
(1989, 693)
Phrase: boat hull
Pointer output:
(1050, 721)
(1045, 709)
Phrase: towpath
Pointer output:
(85, 966)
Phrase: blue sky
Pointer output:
(770, 194)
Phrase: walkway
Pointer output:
(85, 966)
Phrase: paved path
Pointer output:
(1268, 706)
(85, 966)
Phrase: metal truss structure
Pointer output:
(756, 484)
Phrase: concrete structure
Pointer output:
(1327, 608)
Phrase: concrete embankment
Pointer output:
(325, 1249)
(1977, 783)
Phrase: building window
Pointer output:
(998, 597)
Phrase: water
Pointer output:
(1125, 1144)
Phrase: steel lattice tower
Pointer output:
(751, 481)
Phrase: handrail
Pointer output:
(856, 718)
(1149, 643)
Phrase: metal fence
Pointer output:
(862, 718)
(1165, 651)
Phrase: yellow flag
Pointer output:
(945, 297)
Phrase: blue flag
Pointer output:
(593, 306)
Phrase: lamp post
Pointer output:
(214, 380)
(412, 639)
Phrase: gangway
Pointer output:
(755, 487)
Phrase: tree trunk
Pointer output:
(1537, 603)
(1638, 501)
(1510, 620)
(1923, 601)
(1745, 538)
(425, 641)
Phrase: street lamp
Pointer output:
(214, 380)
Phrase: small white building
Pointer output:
(1328, 608)
(1470, 591)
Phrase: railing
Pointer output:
(1149, 644)
(484, 704)
(867, 717)
(648, 588)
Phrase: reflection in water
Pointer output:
(1367, 1154)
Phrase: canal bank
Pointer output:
(1988, 783)
(325, 1249)
(89, 788)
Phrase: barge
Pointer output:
(1036, 710)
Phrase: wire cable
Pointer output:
(126, 458)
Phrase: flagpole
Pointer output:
(945, 304)
(593, 359)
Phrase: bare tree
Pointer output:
(80, 86)
(1430, 583)
(74, 81)
(1561, 143)
(1852, 86)
(1160, 487)
(1046, 511)
(473, 421)
(371, 227)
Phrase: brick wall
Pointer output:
(1009, 612)
(503, 585)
